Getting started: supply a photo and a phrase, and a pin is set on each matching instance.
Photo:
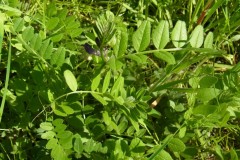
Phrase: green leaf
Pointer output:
(52, 23)
(160, 34)
(46, 49)
(68, 110)
(108, 121)
(76, 32)
(64, 134)
(28, 33)
(57, 37)
(46, 126)
(208, 43)
(99, 98)
(60, 127)
(106, 118)
(112, 63)
(135, 58)
(136, 142)
(208, 81)
(70, 80)
(234, 155)
(36, 42)
(89, 146)
(123, 126)
(58, 57)
(117, 85)
(96, 82)
(57, 122)
(204, 110)
(163, 155)
(59, 113)
(179, 34)
(166, 56)
(121, 45)
(77, 144)
(182, 132)
(58, 153)
(1, 32)
(141, 38)
(65, 139)
(10, 10)
(176, 145)
(206, 94)
(18, 24)
(106, 81)
(196, 39)
(52, 143)
(48, 135)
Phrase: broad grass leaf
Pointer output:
(163, 155)
(77, 144)
(196, 39)
(207, 94)
(234, 155)
(70, 80)
(121, 45)
(176, 145)
(106, 81)
(58, 57)
(166, 56)
(10, 11)
(52, 23)
(208, 43)
(158, 149)
(46, 126)
(96, 82)
(160, 34)
(141, 37)
(1, 32)
(179, 34)
(99, 98)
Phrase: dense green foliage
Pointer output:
(165, 84)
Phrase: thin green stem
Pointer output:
(6, 79)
